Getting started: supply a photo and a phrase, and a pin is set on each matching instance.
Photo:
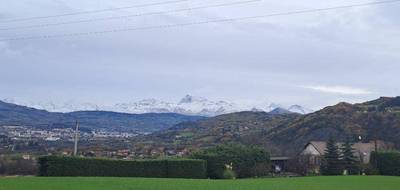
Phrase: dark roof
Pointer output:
(279, 158)
(320, 146)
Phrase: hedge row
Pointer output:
(387, 163)
(74, 166)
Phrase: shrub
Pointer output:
(17, 166)
(387, 163)
(301, 165)
(229, 174)
(74, 166)
(247, 161)
(368, 169)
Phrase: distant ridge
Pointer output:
(12, 114)
(188, 105)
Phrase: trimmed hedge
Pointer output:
(190, 168)
(75, 166)
(387, 163)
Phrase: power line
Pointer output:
(199, 22)
(131, 15)
(92, 11)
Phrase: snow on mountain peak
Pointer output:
(188, 105)
(190, 99)
(273, 106)
(299, 109)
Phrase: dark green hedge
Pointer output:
(247, 161)
(187, 168)
(387, 163)
(74, 166)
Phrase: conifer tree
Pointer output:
(332, 164)
(348, 159)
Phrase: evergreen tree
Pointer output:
(332, 164)
(349, 161)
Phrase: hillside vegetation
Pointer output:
(235, 127)
(286, 134)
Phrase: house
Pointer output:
(315, 150)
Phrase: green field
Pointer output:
(304, 183)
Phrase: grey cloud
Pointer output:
(268, 58)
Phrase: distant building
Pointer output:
(52, 139)
(315, 150)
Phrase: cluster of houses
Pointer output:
(60, 134)
(22, 133)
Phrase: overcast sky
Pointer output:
(314, 59)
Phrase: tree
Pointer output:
(331, 160)
(246, 161)
(349, 160)
(302, 165)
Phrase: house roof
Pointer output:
(279, 158)
(320, 146)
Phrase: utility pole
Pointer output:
(76, 138)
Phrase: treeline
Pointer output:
(75, 166)
(386, 163)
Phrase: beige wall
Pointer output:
(310, 150)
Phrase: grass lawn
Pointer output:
(99, 183)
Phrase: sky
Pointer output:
(314, 59)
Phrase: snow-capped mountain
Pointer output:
(143, 106)
(201, 106)
(188, 105)
(299, 109)
(68, 106)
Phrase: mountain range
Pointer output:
(12, 114)
(188, 105)
(281, 131)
